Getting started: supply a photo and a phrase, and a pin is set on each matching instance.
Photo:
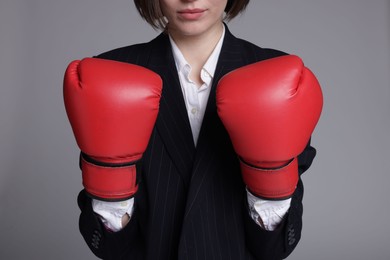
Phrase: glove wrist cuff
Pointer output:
(271, 184)
(109, 182)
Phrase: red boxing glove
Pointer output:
(270, 109)
(112, 108)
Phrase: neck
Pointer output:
(197, 48)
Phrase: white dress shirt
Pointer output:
(267, 214)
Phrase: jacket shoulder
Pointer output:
(130, 54)
(261, 53)
(139, 53)
(256, 53)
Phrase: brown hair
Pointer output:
(150, 11)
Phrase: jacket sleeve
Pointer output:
(279, 244)
(124, 244)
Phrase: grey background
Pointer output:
(346, 43)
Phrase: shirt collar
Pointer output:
(211, 62)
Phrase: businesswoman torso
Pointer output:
(191, 202)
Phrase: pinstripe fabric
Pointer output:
(191, 201)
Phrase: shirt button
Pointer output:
(194, 110)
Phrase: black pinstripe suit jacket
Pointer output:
(191, 202)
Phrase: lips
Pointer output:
(191, 14)
(192, 11)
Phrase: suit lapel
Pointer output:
(210, 139)
(195, 165)
(172, 122)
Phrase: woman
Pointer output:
(191, 201)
